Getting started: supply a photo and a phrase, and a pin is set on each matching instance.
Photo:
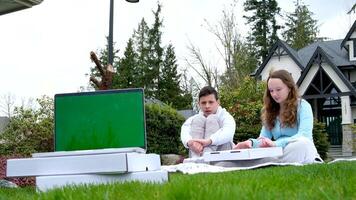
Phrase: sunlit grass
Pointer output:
(319, 181)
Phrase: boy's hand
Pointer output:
(243, 145)
(195, 146)
(204, 142)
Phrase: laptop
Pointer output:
(110, 119)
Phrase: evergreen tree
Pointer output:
(301, 28)
(147, 64)
(169, 85)
(127, 73)
(155, 54)
(264, 25)
(140, 38)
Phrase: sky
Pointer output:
(45, 50)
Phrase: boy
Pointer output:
(212, 129)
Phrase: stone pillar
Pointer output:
(354, 140)
(347, 137)
(347, 140)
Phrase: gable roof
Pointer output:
(328, 58)
(348, 35)
(339, 57)
(290, 51)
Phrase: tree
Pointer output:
(155, 54)
(147, 42)
(301, 28)
(205, 71)
(148, 64)
(140, 38)
(239, 60)
(264, 25)
(7, 104)
(128, 74)
(169, 84)
(244, 104)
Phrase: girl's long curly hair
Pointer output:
(271, 108)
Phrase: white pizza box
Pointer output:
(242, 154)
(83, 164)
(44, 183)
(89, 152)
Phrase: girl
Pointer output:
(287, 121)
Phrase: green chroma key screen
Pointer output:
(101, 119)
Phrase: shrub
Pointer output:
(29, 130)
(244, 104)
(163, 125)
(320, 138)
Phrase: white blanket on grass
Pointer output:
(194, 168)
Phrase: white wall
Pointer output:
(351, 50)
(285, 62)
(351, 47)
(308, 78)
(336, 79)
(330, 72)
(353, 35)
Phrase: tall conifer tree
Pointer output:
(301, 29)
(263, 24)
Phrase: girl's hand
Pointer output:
(266, 142)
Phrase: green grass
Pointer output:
(320, 181)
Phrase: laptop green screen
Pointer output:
(98, 120)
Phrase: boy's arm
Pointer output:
(185, 132)
(226, 132)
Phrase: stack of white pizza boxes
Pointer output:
(62, 168)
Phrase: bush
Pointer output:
(244, 104)
(320, 138)
(163, 125)
(29, 130)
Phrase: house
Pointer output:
(325, 72)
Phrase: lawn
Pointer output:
(319, 181)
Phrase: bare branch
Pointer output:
(7, 104)
(198, 64)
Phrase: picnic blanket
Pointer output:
(194, 168)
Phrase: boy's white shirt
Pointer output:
(223, 135)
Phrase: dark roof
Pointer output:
(339, 57)
(348, 35)
(8, 6)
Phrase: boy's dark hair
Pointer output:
(208, 90)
